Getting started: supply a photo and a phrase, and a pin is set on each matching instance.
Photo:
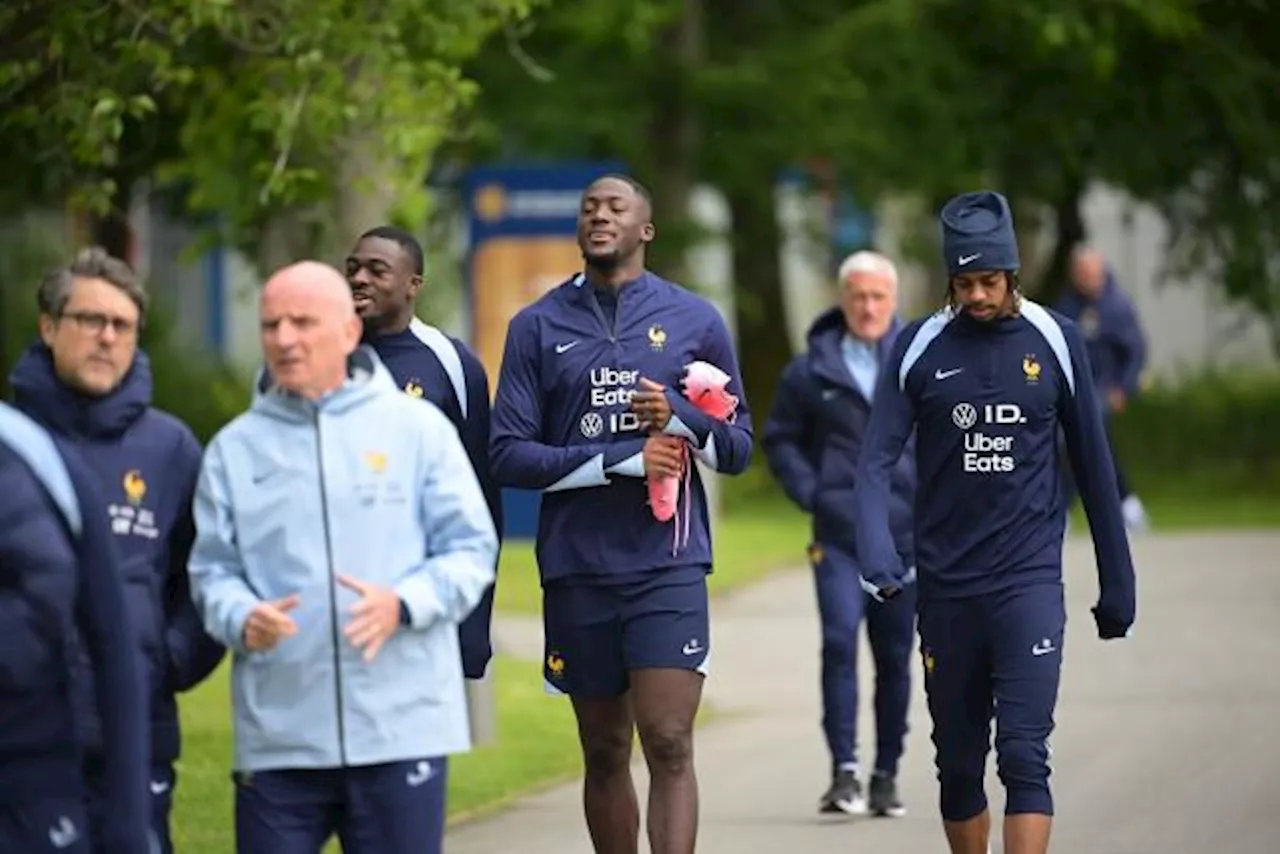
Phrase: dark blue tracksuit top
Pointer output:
(814, 434)
(562, 423)
(428, 364)
(146, 463)
(986, 401)
(58, 576)
(1109, 325)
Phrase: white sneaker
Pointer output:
(1135, 515)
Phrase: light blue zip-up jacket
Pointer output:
(367, 483)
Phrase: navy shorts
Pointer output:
(396, 808)
(57, 825)
(997, 656)
(596, 634)
(163, 780)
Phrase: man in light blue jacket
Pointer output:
(341, 538)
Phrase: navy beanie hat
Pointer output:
(977, 233)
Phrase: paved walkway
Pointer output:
(1166, 743)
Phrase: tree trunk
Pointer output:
(675, 137)
(1069, 231)
(760, 311)
(368, 192)
(111, 231)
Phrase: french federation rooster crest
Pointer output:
(705, 386)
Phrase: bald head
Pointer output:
(309, 328)
(313, 279)
(1088, 271)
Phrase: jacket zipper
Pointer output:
(333, 597)
(611, 331)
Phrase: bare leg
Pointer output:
(605, 730)
(1027, 833)
(969, 837)
(666, 702)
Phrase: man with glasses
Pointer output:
(86, 381)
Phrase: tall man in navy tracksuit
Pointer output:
(85, 380)
(811, 441)
(588, 405)
(59, 574)
(385, 270)
(986, 383)
(1117, 347)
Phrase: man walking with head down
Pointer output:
(986, 384)
(341, 538)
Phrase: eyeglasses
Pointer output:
(95, 323)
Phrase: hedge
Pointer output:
(1221, 426)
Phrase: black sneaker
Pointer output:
(845, 795)
(884, 800)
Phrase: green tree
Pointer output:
(261, 110)
(908, 97)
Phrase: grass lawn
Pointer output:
(1188, 507)
(536, 741)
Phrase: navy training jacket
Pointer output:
(428, 364)
(986, 401)
(562, 424)
(814, 434)
(146, 463)
(58, 580)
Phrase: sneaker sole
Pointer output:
(892, 812)
(858, 806)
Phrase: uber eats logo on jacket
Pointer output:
(983, 453)
(611, 389)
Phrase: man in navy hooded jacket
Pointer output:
(1117, 349)
(87, 382)
(58, 572)
(811, 441)
(986, 384)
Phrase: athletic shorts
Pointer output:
(596, 634)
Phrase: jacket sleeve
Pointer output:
(1133, 344)
(520, 455)
(219, 587)
(462, 545)
(789, 431)
(118, 679)
(893, 419)
(724, 446)
(475, 436)
(193, 654)
(1090, 455)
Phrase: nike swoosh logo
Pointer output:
(965, 259)
(564, 348)
(423, 773)
(692, 649)
(942, 375)
(159, 788)
(1042, 650)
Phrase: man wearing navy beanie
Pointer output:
(985, 383)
